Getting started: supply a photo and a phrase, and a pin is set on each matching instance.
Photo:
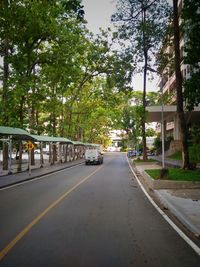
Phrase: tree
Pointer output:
(179, 87)
(143, 24)
(59, 79)
(6, 49)
(132, 114)
(26, 32)
(191, 18)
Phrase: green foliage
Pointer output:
(132, 114)
(194, 144)
(195, 134)
(191, 17)
(150, 132)
(142, 24)
(138, 160)
(165, 56)
(176, 174)
(141, 27)
(177, 156)
(61, 80)
(157, 142)
(192, 90)
(194, 152)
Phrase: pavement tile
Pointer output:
(184, 203)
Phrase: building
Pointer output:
(116, 138)
(168, 113)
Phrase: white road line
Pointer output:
(38, 178)
(174, 226)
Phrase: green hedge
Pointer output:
(194, 152)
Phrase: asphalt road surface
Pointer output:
(87, 216)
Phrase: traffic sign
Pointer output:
(29, 145)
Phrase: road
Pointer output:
(87, 216)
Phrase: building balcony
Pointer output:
(169, 84)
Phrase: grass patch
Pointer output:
(141, 161)
(194, 153)
(176, 174)
(176, 156)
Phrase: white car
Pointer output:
(93, 156)
(37, 151)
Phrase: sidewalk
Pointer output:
(15, 178)
(183, 203)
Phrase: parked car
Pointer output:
(93, 156)
(37, 151)
(133, 153)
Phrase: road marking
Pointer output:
(164, 215)
(6, 249)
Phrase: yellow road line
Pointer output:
(6, 249)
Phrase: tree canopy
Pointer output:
(191, 17)
(141, 28)
(58, 78)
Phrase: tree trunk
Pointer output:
(5, 86)
(37, 121)
(144, 88)
(54, 153)
(50, 153)
(5, 102)
(5, 156)
(179, 81)
(31, 125)
(66, 152)
(21, 112)
(19, 167)
(41, 155)
(143, 115)
(5, 106)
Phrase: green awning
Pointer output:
(20, 134)
(14, 133)
(92, 145)
(78, 143)
(45, 138)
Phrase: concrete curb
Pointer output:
(167, 184)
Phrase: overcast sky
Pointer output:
(98, 14)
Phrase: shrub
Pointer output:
(194, 152)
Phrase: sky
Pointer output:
(97, 14)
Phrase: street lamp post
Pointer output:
(162, 118)
(164, 172)
(162, 129)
